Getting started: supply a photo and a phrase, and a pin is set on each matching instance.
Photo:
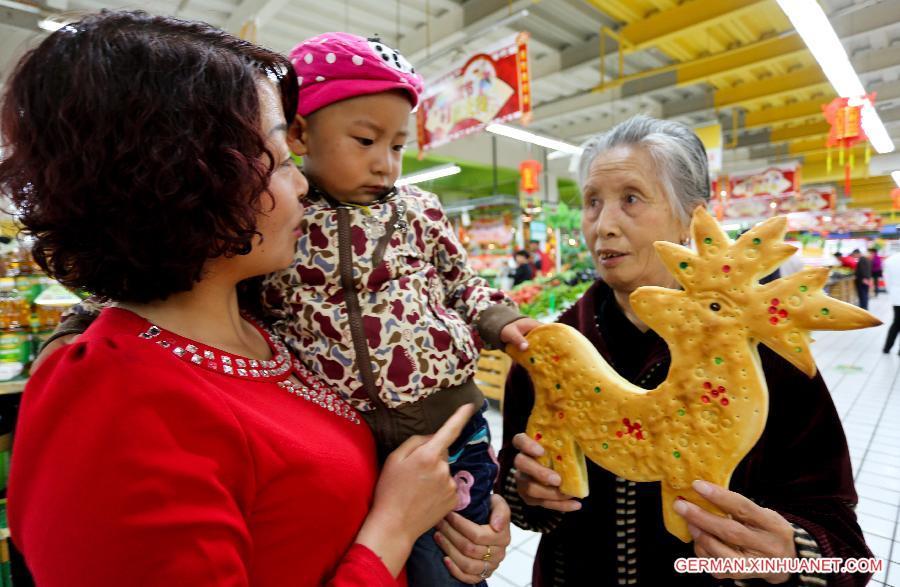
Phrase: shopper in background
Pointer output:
(540, 260)
(892, 282)
(848, 261)
(524, 270)
(792, 495)
(178, 442)
(863, 275)
(877, 271)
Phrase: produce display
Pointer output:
(547, 295)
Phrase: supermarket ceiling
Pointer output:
(736, 62)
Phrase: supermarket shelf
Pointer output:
(14, 386)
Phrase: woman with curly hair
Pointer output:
(177, 442)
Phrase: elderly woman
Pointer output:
(792, 496)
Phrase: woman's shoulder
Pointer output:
(112, 357)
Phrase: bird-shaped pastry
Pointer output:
(711, 409)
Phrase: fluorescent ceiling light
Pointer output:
(562, 154)
(429, 174)
(529, 137)
(896, 176)
(50, 25)
(811, 23)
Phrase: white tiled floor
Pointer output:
(865, 385)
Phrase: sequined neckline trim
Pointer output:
(218, 361)
(277, 370)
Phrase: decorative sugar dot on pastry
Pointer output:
(711, 408)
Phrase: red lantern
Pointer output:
(530, 170)
(846, 130)
(895, 198)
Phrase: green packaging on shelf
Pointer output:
(4, 475)
(29, 285)
(56, 295)
(15, 353)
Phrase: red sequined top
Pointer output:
(145, 458)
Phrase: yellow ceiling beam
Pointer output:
(733, 61)
(803, 131)
(746, 57)
(806, 146)
(817, 172)
(859, 153)
(872, 192)
(684, 20)
(617, 9)
(796, 81)
(783, 114)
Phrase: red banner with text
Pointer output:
(491, 86)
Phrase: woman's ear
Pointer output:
(297, 136)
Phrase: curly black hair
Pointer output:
(134, 153)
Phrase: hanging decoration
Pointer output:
(530, 172)
(493, 85)
(845, 117)
(718, 200)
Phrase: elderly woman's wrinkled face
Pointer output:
(625, 212)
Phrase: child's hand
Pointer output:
(514, 332)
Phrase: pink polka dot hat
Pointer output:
(335, 66)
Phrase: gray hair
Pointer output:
(678, 152)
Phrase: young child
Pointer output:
(381, 301)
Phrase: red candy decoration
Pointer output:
(560, 415)
(772, 309)
(634, 429)
(705, 399)
(775, 301)
(558, 457)
(538, 436)
(783, 313)
(726, 268)
(724, 401)
(707, 385)
(773, 320)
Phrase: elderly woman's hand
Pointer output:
(537, 484)
(751, 532)
(473, 551)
